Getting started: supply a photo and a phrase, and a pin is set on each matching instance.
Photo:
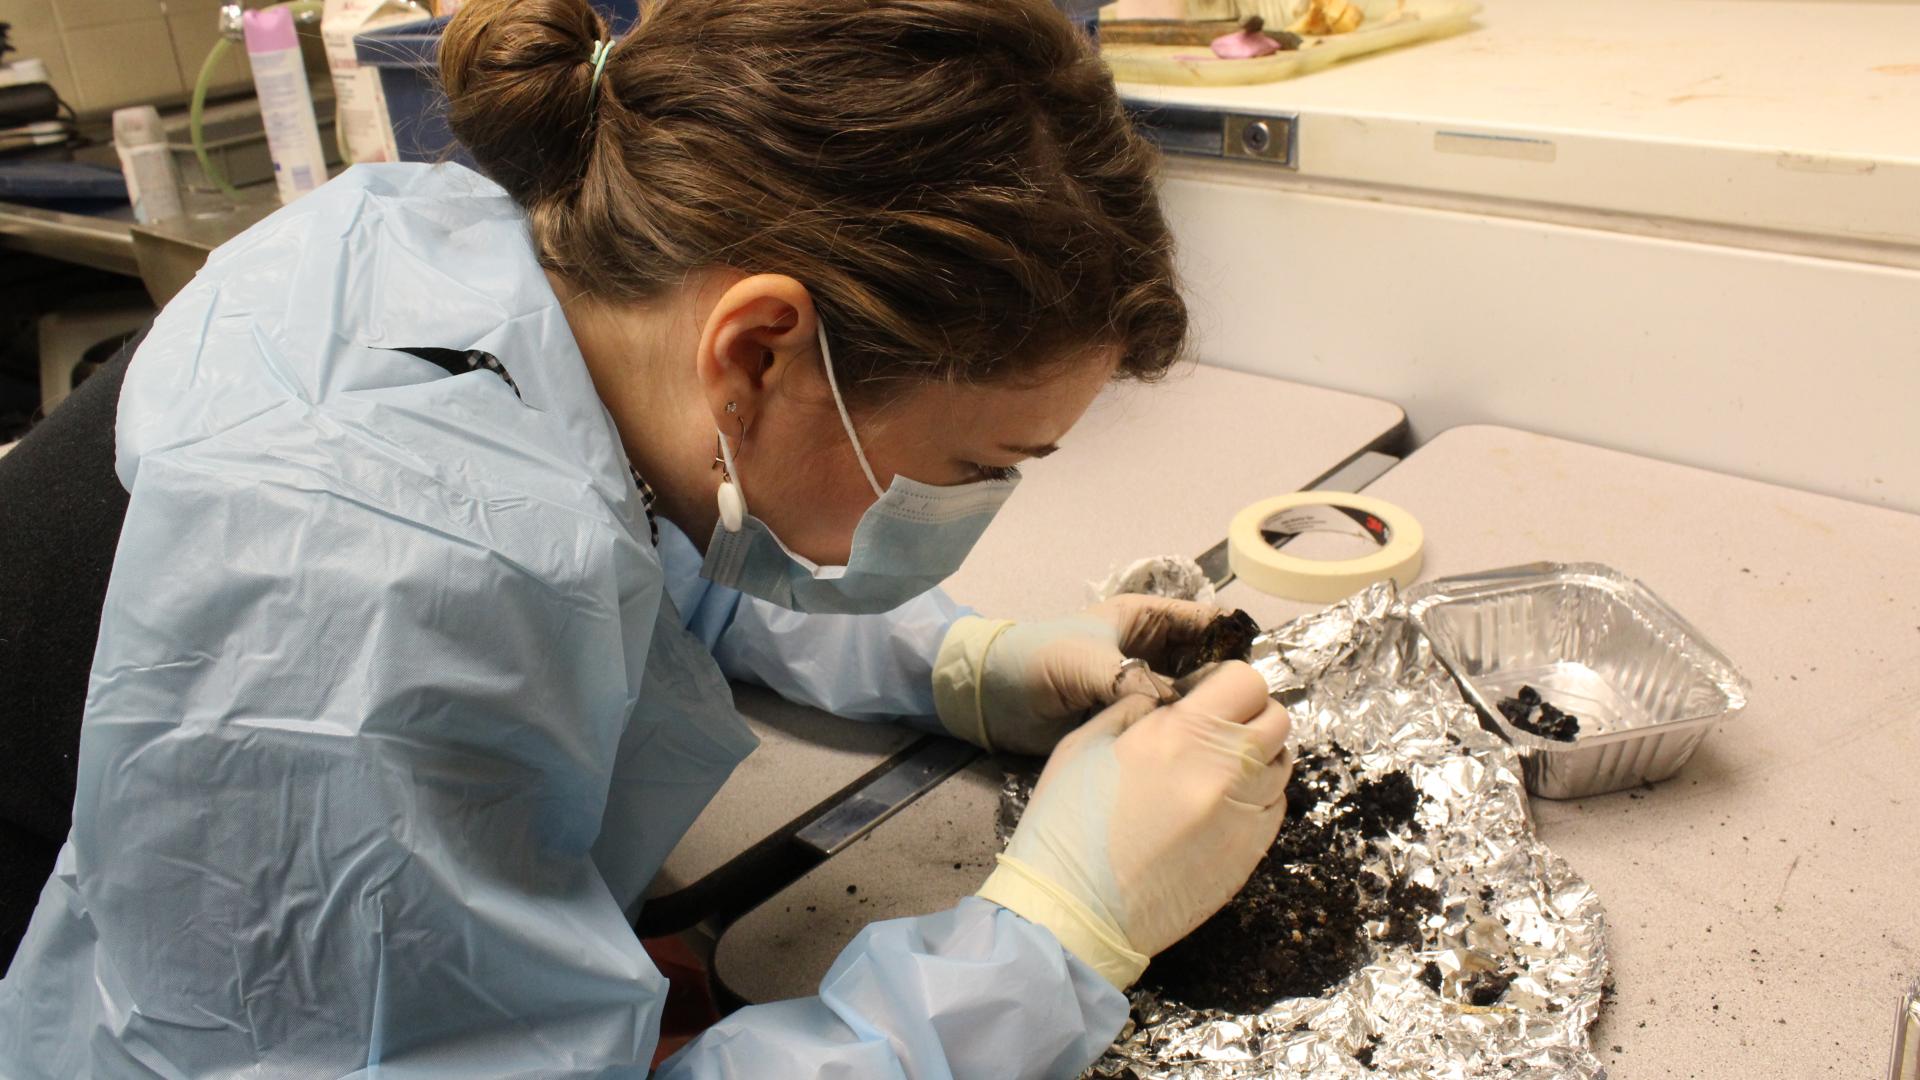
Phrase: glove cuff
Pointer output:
(959, 671)
(1098, 943)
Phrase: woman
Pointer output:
(411, 673)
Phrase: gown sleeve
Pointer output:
(976, 991)
(862, 667)
(973, 992)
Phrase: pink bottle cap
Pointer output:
(270, 30)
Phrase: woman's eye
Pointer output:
(998, 472)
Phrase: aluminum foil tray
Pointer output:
(1646, 686)
(1361, 675)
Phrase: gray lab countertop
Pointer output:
(1761, 903)
(1126, 483)
(165, 255)
(102, 241)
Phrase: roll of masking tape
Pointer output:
(1255, 536)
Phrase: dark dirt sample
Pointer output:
(1294, 930)
(1430, 975)
(1227, 637)
(1486, 987)
(1299, 925)
(1553, 723)
(1376, 806)
(1406, 905)
(1312, 783)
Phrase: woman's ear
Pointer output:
(762, 328)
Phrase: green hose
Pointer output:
(196, 111)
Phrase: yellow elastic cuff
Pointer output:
(958, 671)
(1014, 886)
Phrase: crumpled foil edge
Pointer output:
(1360, 673)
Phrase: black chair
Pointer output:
(61, 507)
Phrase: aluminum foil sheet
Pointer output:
(1361, 675)
(1163, 575)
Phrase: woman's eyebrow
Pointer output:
(1032, 451)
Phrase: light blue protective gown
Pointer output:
(394, 713)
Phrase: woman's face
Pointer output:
(800, 475)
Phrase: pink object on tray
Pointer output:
(1246, 43)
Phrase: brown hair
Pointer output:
(954, 181)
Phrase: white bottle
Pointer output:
(153, 181)
(286, 105)
(359, 104)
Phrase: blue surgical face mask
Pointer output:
(912, 538)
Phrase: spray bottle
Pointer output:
(286, 105)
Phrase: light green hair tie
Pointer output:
(601, 50)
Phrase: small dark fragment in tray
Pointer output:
(1227, 637)
(1553, 723)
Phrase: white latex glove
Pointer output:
(1149, 818)
(1019, 687)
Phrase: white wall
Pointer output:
(1795, 370)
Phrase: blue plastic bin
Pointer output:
(405, 56)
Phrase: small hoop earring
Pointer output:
(720, 457)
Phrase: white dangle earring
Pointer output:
(733, 503)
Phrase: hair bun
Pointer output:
(519, 82)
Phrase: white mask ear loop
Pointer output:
(846, 421)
